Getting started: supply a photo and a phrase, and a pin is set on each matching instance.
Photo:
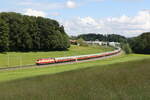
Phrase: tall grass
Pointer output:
(120, 81)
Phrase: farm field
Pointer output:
(125, 77)
(12, 59)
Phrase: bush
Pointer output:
(126, 48)
(81, 42)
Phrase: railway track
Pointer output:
(56, 64)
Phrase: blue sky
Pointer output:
(124, 17)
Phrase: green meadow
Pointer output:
(12, 59)
(125, 77)
(31, 72)
(122, 77)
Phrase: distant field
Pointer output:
(27, 58)
(125, 77)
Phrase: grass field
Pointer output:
(126, 77)
(31, 72)
(18, 59)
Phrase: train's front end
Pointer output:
(45, 61)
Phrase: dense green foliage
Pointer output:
(100, 37)
(4, 30)
(126, 80)
(141, 44)
(81, 42)
(28, 33)
(126, 47)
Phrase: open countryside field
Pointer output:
(125, 77)
(31, 72)
(12, 59)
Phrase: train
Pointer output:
(45, 61)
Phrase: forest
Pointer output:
(139, 44)
(27, 33)
(101, 37)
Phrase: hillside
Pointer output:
(124, 80)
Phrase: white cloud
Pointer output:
(55, 14)
(36, 13)
(42, 5)
(71, 4)
(123, 25)
(49, 5)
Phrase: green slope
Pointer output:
(127, 79)
(23, 73)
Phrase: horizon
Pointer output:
(128, 18)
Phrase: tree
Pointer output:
(141, 44)
(4, 42)
(26, 40)
(81, 42)
(101, 37)
(126, 47)
(29, 33)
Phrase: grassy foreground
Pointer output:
(102, 81)
(18, 59)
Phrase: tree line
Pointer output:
(27, 33)
(101, 37)
(139, 44)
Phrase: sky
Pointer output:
(124, 17)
